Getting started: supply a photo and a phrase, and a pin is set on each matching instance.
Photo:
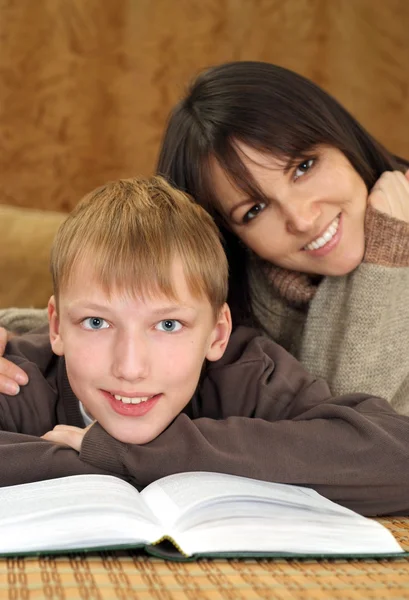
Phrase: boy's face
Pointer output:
(135, 363)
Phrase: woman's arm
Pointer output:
(14, 321)
(11, 376)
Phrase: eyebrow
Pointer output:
(172, 309)
(81, 305)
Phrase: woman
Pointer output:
(315, 216)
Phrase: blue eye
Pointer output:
(303, 167)
(254, 212)
(94, 323)
(169, 325)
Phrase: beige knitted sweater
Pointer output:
(353, 331)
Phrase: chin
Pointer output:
(342, 270)
(133, 437)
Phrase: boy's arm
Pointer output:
(26, 458)
(277, 424)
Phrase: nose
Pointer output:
(130, 360)
(301, 216)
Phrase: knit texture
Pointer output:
(21, 320)
(353, 330)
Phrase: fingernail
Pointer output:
(12, 389)
(21, 379)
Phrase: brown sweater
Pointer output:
(256, 413)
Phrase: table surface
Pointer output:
(131, 575)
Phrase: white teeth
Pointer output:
(127, 400)
(325, 238)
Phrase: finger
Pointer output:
(8, 386)
(379, 200)
(67, 428)
(3, 340)
(404, 179)
(66, 435)
(57, 437)
(11, 377)
(390, 195)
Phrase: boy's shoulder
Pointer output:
(248, 344)
(38, 406)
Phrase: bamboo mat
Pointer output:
(134, 576)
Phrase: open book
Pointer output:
(184, 515)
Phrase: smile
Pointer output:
(326, 237)
(134, 400)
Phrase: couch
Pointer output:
(26, 236)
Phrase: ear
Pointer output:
(220, 335)
(54, 322)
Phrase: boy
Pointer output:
(139, 378)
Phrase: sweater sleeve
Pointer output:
(24, 456)
(277, 424)
(357, 329)
(387, 239)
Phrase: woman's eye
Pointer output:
(303, 168)
(169, 325)
(94, 323)
(254, 212)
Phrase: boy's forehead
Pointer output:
(85, 286)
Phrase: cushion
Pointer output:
(26, 236)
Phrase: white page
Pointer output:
(228, 513)
(183, 491)
(302, 536)
(65, 512)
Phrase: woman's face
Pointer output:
(310, 218)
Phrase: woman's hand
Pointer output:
(390, 195)
(11, 376)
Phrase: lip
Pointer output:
(329, 246)
(131, 410)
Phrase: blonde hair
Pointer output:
(130, 231)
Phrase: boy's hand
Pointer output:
(390, 195)
(67, 435)
(11, 376)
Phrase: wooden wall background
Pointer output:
(86, 85)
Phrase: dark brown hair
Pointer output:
(271, 109)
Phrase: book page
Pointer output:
(73, 511)
(182, 492)
(213, 512)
